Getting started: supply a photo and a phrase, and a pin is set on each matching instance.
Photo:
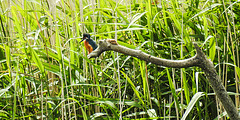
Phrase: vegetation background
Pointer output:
(45, 74)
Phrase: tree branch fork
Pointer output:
(199, 60)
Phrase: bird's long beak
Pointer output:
(83, 40)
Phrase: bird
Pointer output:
(89, 44)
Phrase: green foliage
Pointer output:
(45, 72)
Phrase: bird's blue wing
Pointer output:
(93, 44)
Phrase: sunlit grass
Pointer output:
(45, 72)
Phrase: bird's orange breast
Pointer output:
(88, 46)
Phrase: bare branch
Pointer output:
(104, 46)
(199, 60)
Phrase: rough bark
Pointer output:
(199, 60)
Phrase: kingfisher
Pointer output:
(89, 44)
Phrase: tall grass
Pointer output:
(45, 72)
